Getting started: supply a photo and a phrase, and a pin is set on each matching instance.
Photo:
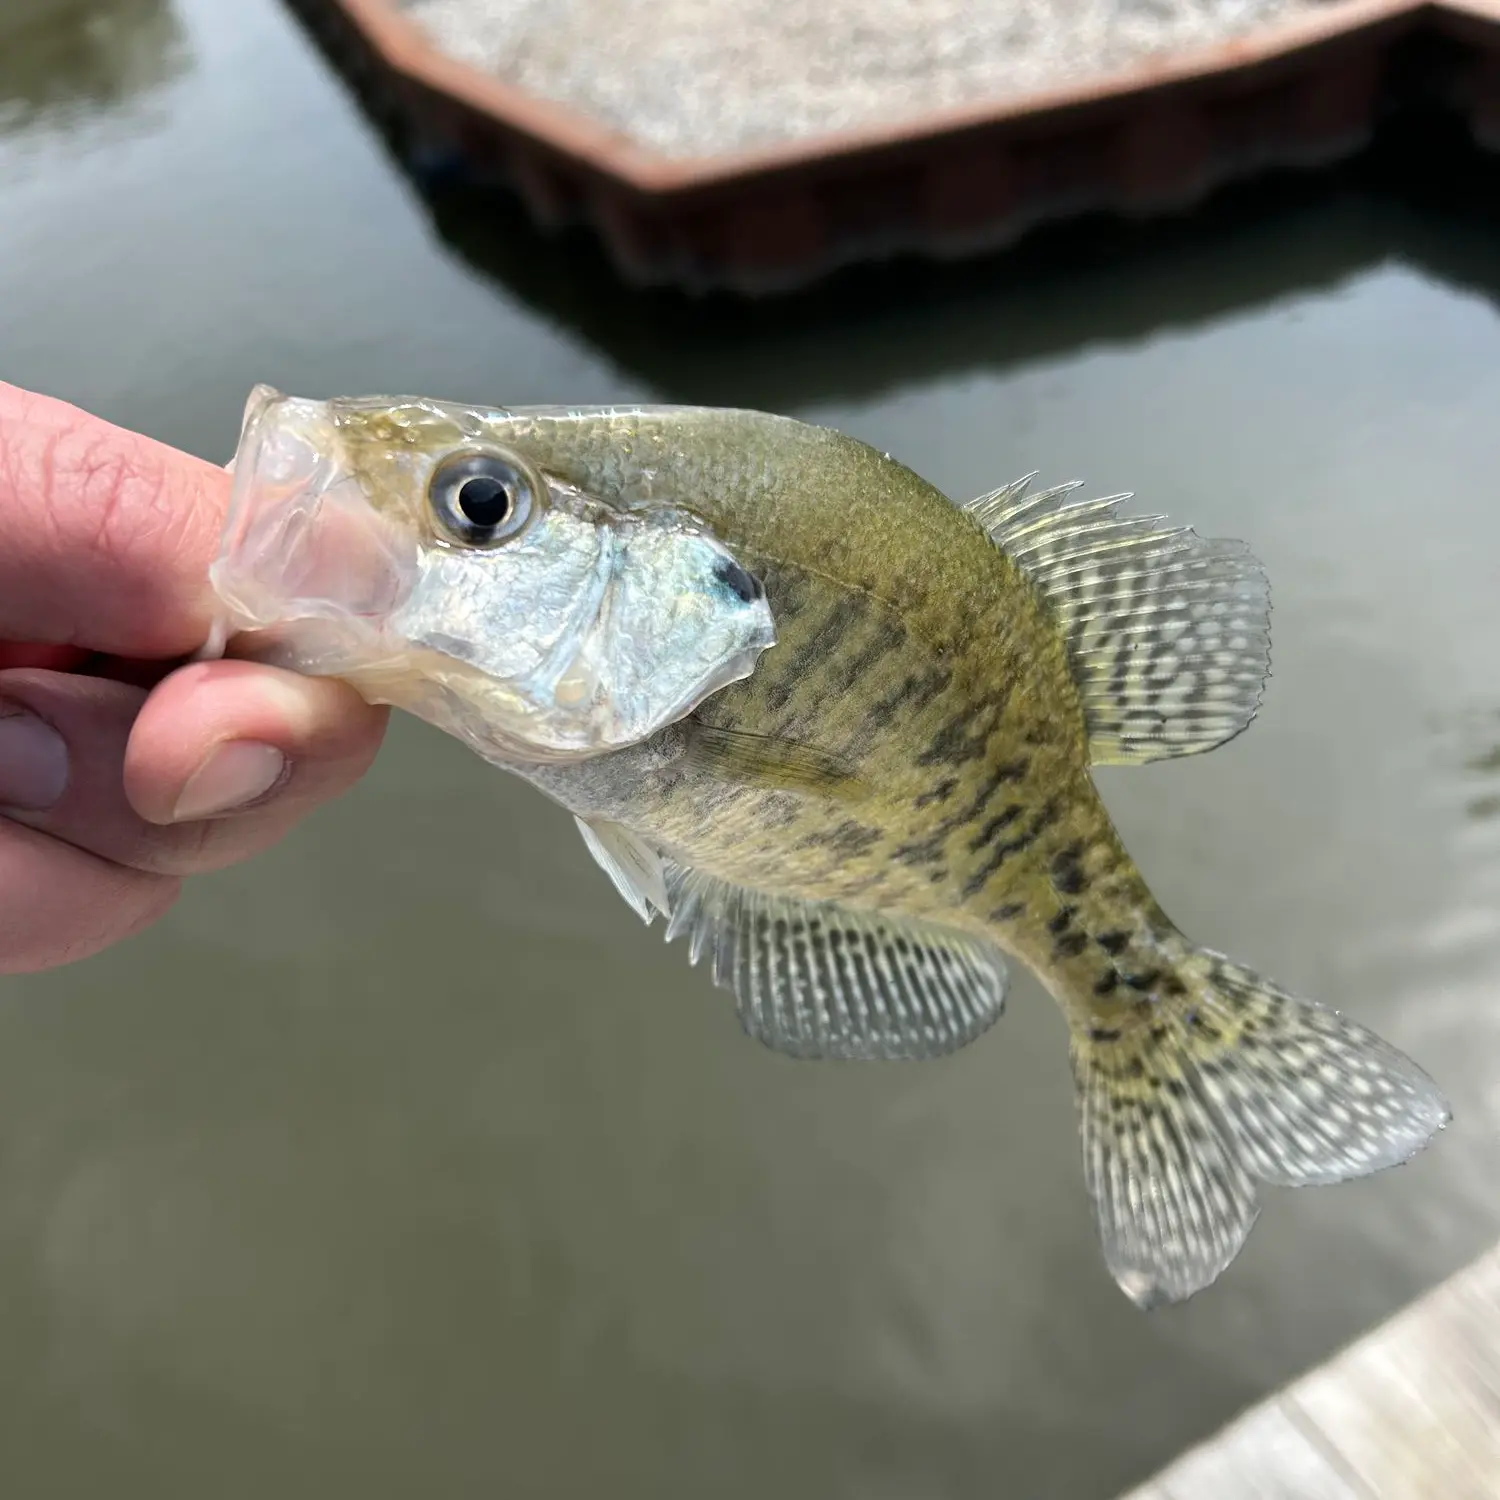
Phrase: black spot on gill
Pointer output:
(1106, 982)
(1143, 982)
(1059, 923)
(1070, 945)
(745, 586)
(1105, 1033)
(1009, 912)
(1113, 943)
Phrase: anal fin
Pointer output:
(821, 980)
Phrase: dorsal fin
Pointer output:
(1168, 633)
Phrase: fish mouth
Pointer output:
(302, 548)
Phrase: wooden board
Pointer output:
(1409, 1412)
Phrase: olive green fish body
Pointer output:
(913, 652)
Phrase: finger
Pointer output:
(105, 536)
(212, 767)
(200, 746)
(59, 904)
(57, 658)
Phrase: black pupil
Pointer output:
(484, 500)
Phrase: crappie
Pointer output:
(858, 827)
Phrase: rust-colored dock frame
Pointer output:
(1154, 138)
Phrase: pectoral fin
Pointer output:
(766, 761)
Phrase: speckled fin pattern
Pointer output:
(1191, 1103)
(817, 980)
(1168, 633)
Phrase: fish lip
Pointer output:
(300, 539)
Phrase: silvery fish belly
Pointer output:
(838, 731)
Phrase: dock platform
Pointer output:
(1411, 1411)
(1150, 138)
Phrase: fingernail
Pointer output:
(33, 761)
(233, 775)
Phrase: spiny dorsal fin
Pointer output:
(1168, 633)
(818, 980)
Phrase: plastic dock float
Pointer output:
(1153, 138)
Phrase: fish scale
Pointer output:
(856, 835)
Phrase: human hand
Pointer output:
(121, 769)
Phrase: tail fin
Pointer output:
(1198, 1095)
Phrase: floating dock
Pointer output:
(1409, 1412)
(1154, 138)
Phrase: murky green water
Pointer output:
(403, 1162)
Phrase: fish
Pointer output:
(856, 778)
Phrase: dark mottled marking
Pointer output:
(1009, 912)
(1067, 871)
(1144, 981)
(888, 635)
(1174, 987)
(1059, 923)
(1002, 851)
(1113, 943)
(884, 710)
(971, 811)
(921, 851)
(1105, 1033)
(849, 838)
(1176, 1087)
(1136, 1068)
(847, 609)
(940, 793)
(1106, 982)
(1158, 1035)
(1002, 819)
(1070, 945)
(956, 743)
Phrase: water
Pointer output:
(403, 1161)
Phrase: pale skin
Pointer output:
(124, 767)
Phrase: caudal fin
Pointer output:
(1195, 1098)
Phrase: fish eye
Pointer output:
(480, 499)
